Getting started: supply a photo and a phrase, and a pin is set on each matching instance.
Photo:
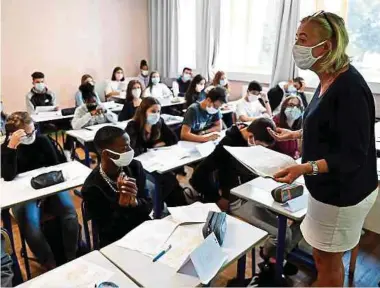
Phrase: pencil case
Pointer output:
(47, 179)
(286, 192)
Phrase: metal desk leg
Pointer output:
(6, 217)
(253, 257)
(241, 269)
(280, 247)
(87, 160)
(157, 208)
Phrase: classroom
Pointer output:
(185, 143)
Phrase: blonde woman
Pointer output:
(339, 155)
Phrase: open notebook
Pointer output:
(260, 160)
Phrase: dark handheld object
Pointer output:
(68, 111)
(287, 192)
(216, 222)
(47, 179)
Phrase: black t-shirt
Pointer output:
(339, 127)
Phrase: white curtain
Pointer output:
(163, 36)
(208, 36)
(283, 64)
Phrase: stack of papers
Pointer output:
(194, 213)
(260, 160)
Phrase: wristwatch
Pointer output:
(314, 167)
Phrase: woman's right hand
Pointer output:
(15, 138)
(281, 134)
(212, 137)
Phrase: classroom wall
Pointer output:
(68, 38)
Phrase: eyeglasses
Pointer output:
(28, 135)
(323, 13)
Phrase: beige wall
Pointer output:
(65, 39)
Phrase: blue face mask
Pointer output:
(186, 77)
(153, 118)
(155, 80)
(223, 82)
(292, 90)
(293, 113)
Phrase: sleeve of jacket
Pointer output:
(8, 162)
(82, 118)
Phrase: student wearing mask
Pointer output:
(40, 95)
(147, 129)
(220, 79)
(24, 151)
(115, 191)
(116, 86)
(144, 74)
(202, 120)
(91, 112)
(155, 88)
(300, 85)
(132, 101)
(290, 117)
(253, 105)
(86, 78)
(181, 84)
(196, 92)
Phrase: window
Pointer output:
(363, 25)
(186, 34)
(248, 31)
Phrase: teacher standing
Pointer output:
(339, 155)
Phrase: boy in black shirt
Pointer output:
(115, 191)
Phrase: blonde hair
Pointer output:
(17, 120)
(332, 27)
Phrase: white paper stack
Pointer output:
(194, 213)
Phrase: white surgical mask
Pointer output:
(223, 82)
(153, 118)
(136, 93)
(303, 56)
(39, 86)
(211, 110)
(28, 140)
(124, 158)
(293, 113)
(252, 97)
(292, 90)
(250, 143)
(144, 72)
(186, 77)
(199, 87)
(155, 80)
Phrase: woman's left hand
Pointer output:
(290, 174)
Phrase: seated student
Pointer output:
(290, 117)
(86, 78)
(231, 173)
(144, 74)
(132, 101)
(118, 203)
(39, 95)
(155, 88)
(91, 112)
(117, 85)
(147, 129)
(203, 119)
(196, 92)
(300, 85)
(253, 105)
(24, 151)
(182, 83)
(220, 79)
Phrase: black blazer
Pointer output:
(127, 112)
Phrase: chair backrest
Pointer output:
(168, 81)
(94, 229)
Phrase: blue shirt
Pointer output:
(79, 98)
(198, 119)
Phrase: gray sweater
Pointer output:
(83, 118)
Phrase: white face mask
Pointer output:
(303, 56)
(223, 82)
(28, 140)
(153, 118)
(293, 113)
(211, 110)
(136, 93)
(199, 87)
(144, 72)
(186, 77)
(124, 158)
(155, 80)
(252, 97)
(250, 143)
(39, 86)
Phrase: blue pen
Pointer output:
(162, 253)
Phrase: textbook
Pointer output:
(260, 160)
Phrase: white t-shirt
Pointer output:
(249, 109)
(158, 91)
(115, 86)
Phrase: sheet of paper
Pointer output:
(260, 160)
(206, 148)
(40, 109)
(296, 204)
(266, 184)
(195, 213)
(184, 240)
(208, 258)
(149, 237)
(76, 274)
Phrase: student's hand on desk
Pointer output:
(281, 134)
(99, 110)
(15, 138)
(290, 174)
(223, 204)
(160, 144)
(212, 137)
